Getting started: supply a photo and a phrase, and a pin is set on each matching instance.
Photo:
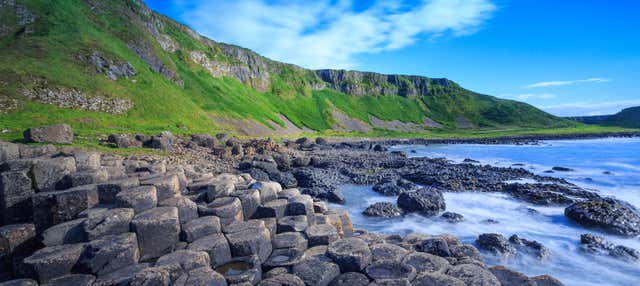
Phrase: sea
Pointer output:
(610, 166)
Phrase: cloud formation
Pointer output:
(589, 108)
(567, 82)
(330, 33)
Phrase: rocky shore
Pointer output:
(221, 211)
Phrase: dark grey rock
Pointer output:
(228, 209)
(15, 197)
(274, 208)
(610, 215)
(321, 234)
(383, 209)
(599, 245)
(509, 277)
(187, 209)
(530, 246)
(350, 279)
(158, 231)
(426, 263)
(156, 276)
(351, 254)
(58, 134)
(436, 246)
(437, 279)
(216, 246)
(48, 174)
(108, 222)
(139, 198)
(290, 240)
(242, 270)
(20, 282)
(452, 217)
(203, 276)
(387, 251)
(251, 241)
(250, 201)
(316, 271)
(283, 257)
(546, 280)
(292, 224)
(108, 254)
(52, 262)
(50, 208)
(124, 141)
(122, 276)
(72, 280)
(473, 275)
(107, 191)
(426, 201)
(65, 233)
(200, 227)
(166, 186)
(284, 279)
(496, 244)
(186, 259)
(390, 270)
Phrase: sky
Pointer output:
(571, 57)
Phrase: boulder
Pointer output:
(426, 201)
(166, 186)
(530, 246)
(350, 279)
(284, 279)
(52, 262)
(251, 241)
(108, 222)
(204, 140)
(57, 134)
(65, 233)
(15, 197)
(437, 279)
(187, 260)
(73, 280)
(108, 254)
(187, 209)
(316, 271)
(394, 187)
(509, 277)
(496, 244)
(158, 231)
(610, 215)
(216, 246)
(139, 198)
(387, 251)
(200, 227)
(426, 263)
(292, 224)
(383, 209)
(452, 217)
(109, 190)
(473, 275)
(389, 270)
(122, 276)
(596, 244)
(124, 141)
(203, 276)
(290, 240)
(322, 234)
(436, 246)
(351, 254)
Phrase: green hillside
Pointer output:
(627, 118)
(188, 84)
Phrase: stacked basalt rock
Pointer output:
(73, 217)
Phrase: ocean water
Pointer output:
(590, 159)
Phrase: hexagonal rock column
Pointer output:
(108, 254)
(351, 254)
(284, 279)
(51, 208)
(316, 271)
(284, 257)
(274, 208)
(107, 222)
(321, 234)
(242, 270)
(51, 262)
(187, 260)
(158, 230)
(15, 197)
(216, 246)
(201, 276)
(250, 201)
(107, 191)
(473, 275)
(228, 209)
(292, 224)
(139, 198)
(351, 279)
(64, 233)
(387, 251)
(390, 270)
(426, 263)
(250, 241)
(187, 209)
(166, 186)
(200, 227)
(294, 240)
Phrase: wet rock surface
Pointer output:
(610, 215)
(198, 217)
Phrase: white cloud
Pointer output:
(590, 108)
(567, 82)
(525, 96)
(329, 33)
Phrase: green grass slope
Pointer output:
(48, 53)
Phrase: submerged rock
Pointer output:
(496, 244)
(610, 215)
(599, 245)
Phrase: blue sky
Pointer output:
(567, 57)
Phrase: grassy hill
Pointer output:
(627, 118)
(116, 66)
